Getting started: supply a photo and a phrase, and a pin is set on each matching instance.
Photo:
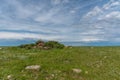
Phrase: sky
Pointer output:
(87, 22)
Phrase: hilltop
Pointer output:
(43, 45)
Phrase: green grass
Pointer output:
(101, 63)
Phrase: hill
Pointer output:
(71, 63)
(43, 45)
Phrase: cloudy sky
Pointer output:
(62, 20)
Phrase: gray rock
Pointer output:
(33, 67)
(77, 70)
(86, 72)
(9, 77)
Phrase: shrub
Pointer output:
(39, 41)
(54, 44)
(27, 46)
(43, 45)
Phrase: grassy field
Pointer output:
(96, 63)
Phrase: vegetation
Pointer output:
(54, 44)
(27, 46)
(39, 41)
(95, 63)
(43, 45)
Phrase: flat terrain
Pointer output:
(94, 63)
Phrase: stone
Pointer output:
(91, 47)
(77, 70)
(9, 77)
(46, 48)
(105, 57)
(86, 72)
(33, 67)
(71, 47)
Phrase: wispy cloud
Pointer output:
(103, 21)
(55, 2)
(114, 14)
(62, 20)
(16, 35)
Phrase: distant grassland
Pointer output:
(96, 63)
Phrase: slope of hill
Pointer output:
(70, 63)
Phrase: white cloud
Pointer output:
(20, 36)
(55, 2)
(47, 17)
(73, 11)
(107, 12)
(23, 12)
(90, 39)
(93, 32)
(110, 9)
(15, 35)
(27, 27)
(94, 28)
(54, 16)
(94, 12)
(111, 3)
(65, 1)
(102, 22)
(114, 14)
(81, 38)
(115, 4)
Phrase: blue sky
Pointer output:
(86, 21)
